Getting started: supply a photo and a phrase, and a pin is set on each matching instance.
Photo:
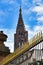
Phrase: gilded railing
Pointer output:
(37, 38)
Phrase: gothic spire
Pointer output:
(20, 20)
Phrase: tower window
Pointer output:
(19, 32)
(19, 44)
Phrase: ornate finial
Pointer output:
(20, 9)
(1, 31)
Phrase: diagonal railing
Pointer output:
(32, 42)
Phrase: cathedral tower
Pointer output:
(21, 35)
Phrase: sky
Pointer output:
(32, 12)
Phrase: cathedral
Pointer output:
(23, 54)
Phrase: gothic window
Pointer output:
(25, 35)
(21, 59)
(22, 43)
(17, 61)
(20, 26)
(19, 32)
(12, 62)
(19, 44)
(24, 57)
(27, 55)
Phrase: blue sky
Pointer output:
(32, 12)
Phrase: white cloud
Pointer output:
(35, 30)
(38, 28)
(30, 32)
(34, 8)
(38, 2)
(27, 27)
(40, 19)
(38, 9)
(10, 41)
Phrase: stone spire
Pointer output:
(20, 20)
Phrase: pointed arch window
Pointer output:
(19, 44)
